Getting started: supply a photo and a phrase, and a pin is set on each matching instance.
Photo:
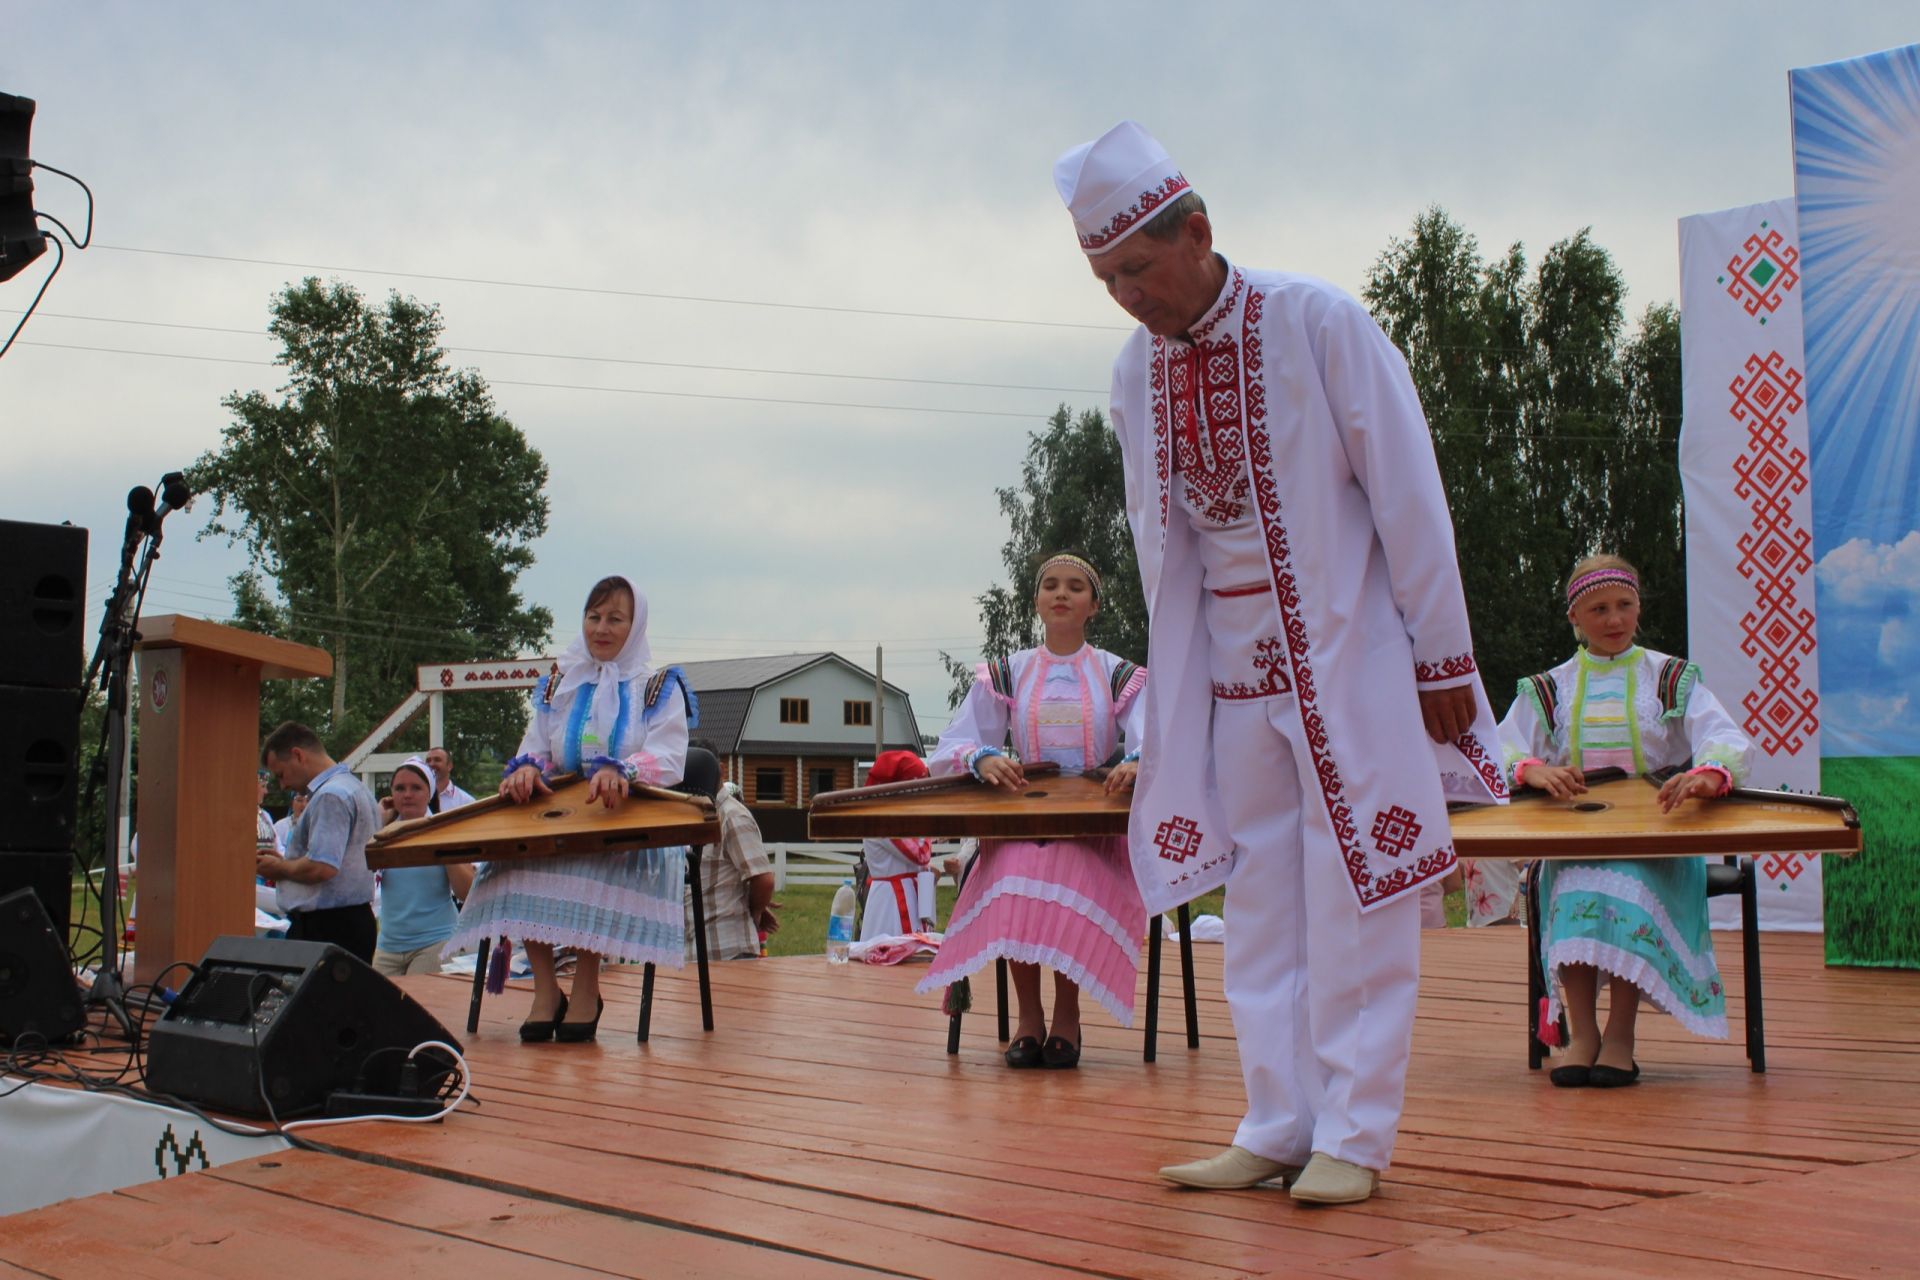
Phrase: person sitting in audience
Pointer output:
(736, 882)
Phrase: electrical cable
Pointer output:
(60, 257)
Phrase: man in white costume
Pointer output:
(1307, 622)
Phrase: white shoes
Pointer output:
(1233, 1169)
(1326, 1180)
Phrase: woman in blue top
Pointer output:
(417, 911)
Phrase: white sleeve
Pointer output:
(660, 757)
(1384, 432)
(1714, 738)
(1524, 736)
(1140, 519)
(981, 721)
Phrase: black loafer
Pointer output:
(1024, 1052)
(1571, 1077)
(535, 1032)
(1613, 1077)
(1060, 1053)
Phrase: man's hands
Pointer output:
(523, 784)
(1448, 712)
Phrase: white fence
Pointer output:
(829, 864)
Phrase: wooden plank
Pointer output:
(563, 823)
(1047, 808)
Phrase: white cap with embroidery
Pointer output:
(1113, 185)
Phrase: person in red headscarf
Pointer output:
(899, 879)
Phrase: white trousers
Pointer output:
(1322, 996)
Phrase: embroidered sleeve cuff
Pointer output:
(1722, 772)
(976, 756)
(1445, 672)
(1520, 767)
(1132, 757)
(597, 763)
(518, 763)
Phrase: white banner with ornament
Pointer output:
(1749, 514)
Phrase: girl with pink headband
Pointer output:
(1067, 905)
(1642, 923)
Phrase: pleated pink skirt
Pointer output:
(1070, 905)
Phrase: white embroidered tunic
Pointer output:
(1291, 427)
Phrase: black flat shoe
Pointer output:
(535, 1032)
(1572, 1077)
(1613, 1077)
(580, 1032)
(1024, 1052)
(1061, 1054)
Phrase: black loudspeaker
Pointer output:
(39, 767)
(21, 240)
(43, 598)
(298, 1020)
(49, 877)
(39, 1001)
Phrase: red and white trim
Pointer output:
(1124, 222)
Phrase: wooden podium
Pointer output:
(199, 688)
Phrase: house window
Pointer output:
(770, 784)
(822, 780)
(793, 711)
(859, 712)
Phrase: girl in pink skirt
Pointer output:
(1070, 905)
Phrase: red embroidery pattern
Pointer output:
(1762, 273)
(1093, 242)
(1460, 664)
(1370, 887)
(1395, 831)
(1157, 385)
(1204, 389)
(1271, 663)
(1776, 555)
(1177, 838)
(1469, 746)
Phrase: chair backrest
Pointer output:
(702, 773)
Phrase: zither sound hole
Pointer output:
(1592, 806)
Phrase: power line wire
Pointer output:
(655, 364)
(623, 293)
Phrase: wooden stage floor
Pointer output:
(820, 1131)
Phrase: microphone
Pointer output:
(174, 494)
(140, 515)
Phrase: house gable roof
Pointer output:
(726, 687)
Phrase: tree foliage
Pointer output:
(386, 509)
(1557, 434)
(1071, 497)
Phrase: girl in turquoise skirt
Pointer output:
(1642, 923)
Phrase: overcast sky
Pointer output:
(780, 169)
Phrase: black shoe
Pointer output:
(534, 1032)
(1613, 1077)
(580, 1032)
(1024, 1052)
(1061, 1054)
(1571, 1077)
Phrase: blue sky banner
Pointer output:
(1856, 142)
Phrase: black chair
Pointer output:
(1151, 1046)
(1731, 875)
(702, 777)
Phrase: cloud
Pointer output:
(1871, 575)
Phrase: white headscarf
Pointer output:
(578, 666)
(425, 770)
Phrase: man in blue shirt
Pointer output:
(323, 882)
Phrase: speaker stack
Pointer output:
(43, 574)
(291, 1022)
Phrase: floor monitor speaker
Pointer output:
(39, 1001)
(293, 1022)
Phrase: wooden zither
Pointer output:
(1050, 807)
(547, 826)
(1620, 818)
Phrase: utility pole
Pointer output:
(879, 707)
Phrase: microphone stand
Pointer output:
(114, 655)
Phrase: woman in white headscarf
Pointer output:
(417, 911)
(606, 715)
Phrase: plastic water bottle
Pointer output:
(840, 924)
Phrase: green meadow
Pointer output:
(1873, 901)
